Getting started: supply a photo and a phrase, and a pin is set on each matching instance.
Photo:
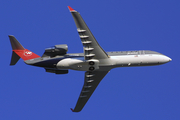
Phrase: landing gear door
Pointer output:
(93, 64)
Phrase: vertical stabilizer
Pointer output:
(19, 51)
(15, 43)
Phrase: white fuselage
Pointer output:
(113, 62)
(140, 60)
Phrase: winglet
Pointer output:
(71, 9)
(72, 110)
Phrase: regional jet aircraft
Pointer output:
(94, 61)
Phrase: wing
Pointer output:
(91, 81)
(91, 47)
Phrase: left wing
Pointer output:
(91, 47)
(91, 81)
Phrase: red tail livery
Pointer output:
(20, 52)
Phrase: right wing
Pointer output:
(91, 47)
(91, 81)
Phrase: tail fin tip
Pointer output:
(15, 43)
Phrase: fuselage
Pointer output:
(76, 61)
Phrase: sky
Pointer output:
(133, 93)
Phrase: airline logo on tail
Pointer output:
(27, 53)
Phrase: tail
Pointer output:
(18, 51)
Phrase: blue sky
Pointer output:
(136, 93)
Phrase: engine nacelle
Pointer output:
(56, 50)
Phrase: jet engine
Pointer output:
(56, 50)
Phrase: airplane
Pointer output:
(94, 60)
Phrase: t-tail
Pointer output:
(18, 51)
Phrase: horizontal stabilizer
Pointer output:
(14, 58)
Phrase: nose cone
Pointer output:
(166, 59)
